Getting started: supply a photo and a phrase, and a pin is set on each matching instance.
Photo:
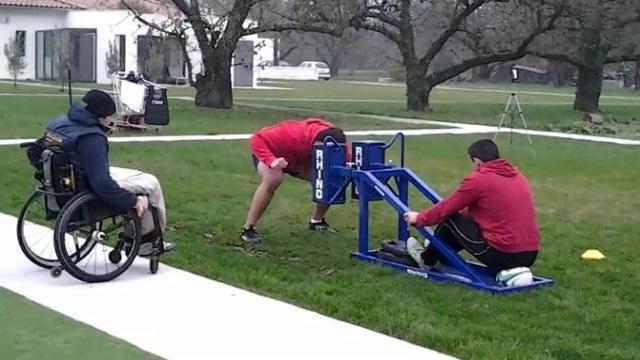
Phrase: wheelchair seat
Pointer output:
(92, 241)
(58, 177)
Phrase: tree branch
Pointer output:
(437, 45)
(559, 57)
(150, 24)
(317, 28)
(446, 74)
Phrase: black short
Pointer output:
(460, 232)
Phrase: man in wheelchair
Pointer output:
(81, 134)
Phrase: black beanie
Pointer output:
(99, 103)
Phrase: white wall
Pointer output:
(108, 24)
(29, 20)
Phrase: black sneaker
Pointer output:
(321, 226)
(250, 236)
(147, 249)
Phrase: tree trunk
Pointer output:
(214, 89)
(417, 99)
(556, 72)
(15, 80)
(637, 76)
(334, 67)
(589, 88)
(589, 84)
(276, 49)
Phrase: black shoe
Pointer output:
(322, 226)
(147, 249)
(250, 236)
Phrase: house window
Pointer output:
(21, 37)
(122, 52)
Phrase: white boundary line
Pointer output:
(476, 129)
(316, 100)
(469, 128)
(497, 91)
(179, 315)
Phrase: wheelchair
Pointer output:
(89, 240)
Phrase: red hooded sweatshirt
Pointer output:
(498, 199)
(289, 139)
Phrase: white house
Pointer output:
(91, 26)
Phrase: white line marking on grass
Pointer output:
(259, 87)
(32, 95)
(228, 137)
(242, 98)
(178, 315)
(475, 129)
(497, 91)
(434, 101)
(468, 128)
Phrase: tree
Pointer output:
(155, 63)
(112, 58)
(636, 77)
(332, 50)
(499, 30)
(64, 48)
(14, 52)
(217, 26)
(591, 35)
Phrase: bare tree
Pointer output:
(64, 48)
(332, 50)
(112, 59)
(593, 33)
(636, 77)
(14, 52)
(424, 29)
(218, 25)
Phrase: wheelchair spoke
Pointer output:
(104, 257)
(75, 242)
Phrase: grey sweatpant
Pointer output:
(138, 182)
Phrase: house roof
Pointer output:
(147, 6)
(48, 4)
(142, 5)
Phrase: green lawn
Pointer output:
(585, 195)
(544, 107)
(27, 117)
(32, 332)
(585, 198)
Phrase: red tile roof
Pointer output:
(158, 6)
(50, 4)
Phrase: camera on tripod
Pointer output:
(514, 74)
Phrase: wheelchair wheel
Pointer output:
(86, 220)
(35, 235)
(153, 264)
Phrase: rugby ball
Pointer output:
(514, 277)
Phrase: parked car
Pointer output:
(267, 63)
(321, 68)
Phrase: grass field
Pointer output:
(545, 107)
(31, 332)
(585, 195)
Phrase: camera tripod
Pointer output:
(513, 109)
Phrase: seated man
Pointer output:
(286, 148)
(82, 134)
(498, 199)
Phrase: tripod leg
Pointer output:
(524, 121)
(502, 117)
